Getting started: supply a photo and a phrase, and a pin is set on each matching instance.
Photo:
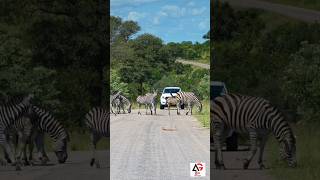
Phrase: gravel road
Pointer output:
(302, 14)
(233, 162)
(193, 63)
(156, 147)
(76, 168)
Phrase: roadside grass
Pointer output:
(308, 4)
(204, 116)
(308, 155)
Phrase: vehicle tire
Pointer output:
(232, 142)
(161, 106)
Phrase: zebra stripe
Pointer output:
(120, 102)
(189, 99)
(98, 122)
(254, 116)
(149, 100)
(10, 112)
(45, 122)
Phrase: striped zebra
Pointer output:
(98, 123)
(10, 112)
(189, 99)
(121, 102)
(113, 102)
(254, 116)
(31, 129)
(46, 123)
(172, 101)
(149, 100)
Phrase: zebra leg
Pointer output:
(169, 109)
(178, 108)
(94, 139)
(139, 109)
(262, 145)
(218, 137)
(253, 148)
(151, 107)
(6, 147)
(20, 148)
(6, 155)
(188, 108)
(191, 108)
(39, 141)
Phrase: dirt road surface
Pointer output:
(302, 14)
(193, 63)
(76, 168)
(145, 147)
(233, 162)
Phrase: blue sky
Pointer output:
(171, 20)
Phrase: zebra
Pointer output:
(120, 102)
(172, 101)
(254, 116)
(189, 99)
(112, 101)
(32, 128)
(10, 112)
(46, 123)
(149, 100)
(98, 123)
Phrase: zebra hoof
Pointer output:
(18, 168)
(97, 165)
(26, 163)
(245, 164)
(262, 167)
(92, 162)
(3, 163)
(221, 167)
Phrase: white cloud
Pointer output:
(135, 16)
(198, 11)
(129, 2)
(173, 11)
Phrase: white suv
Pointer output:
(167, 91)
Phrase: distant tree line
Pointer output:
(144, 63)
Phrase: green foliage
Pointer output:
(57, 51)
(117, 85)
(308, 157)
(301, 81)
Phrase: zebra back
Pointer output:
(97, 120)
(241, 112)
(189, 97)
(13, 110)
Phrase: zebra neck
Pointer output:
(280, 128)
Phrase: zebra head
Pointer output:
(288, 150)
(60, 148)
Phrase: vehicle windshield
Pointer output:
(216, 91)
(171, 90)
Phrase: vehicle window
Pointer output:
(171, 90)
(216, 90)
